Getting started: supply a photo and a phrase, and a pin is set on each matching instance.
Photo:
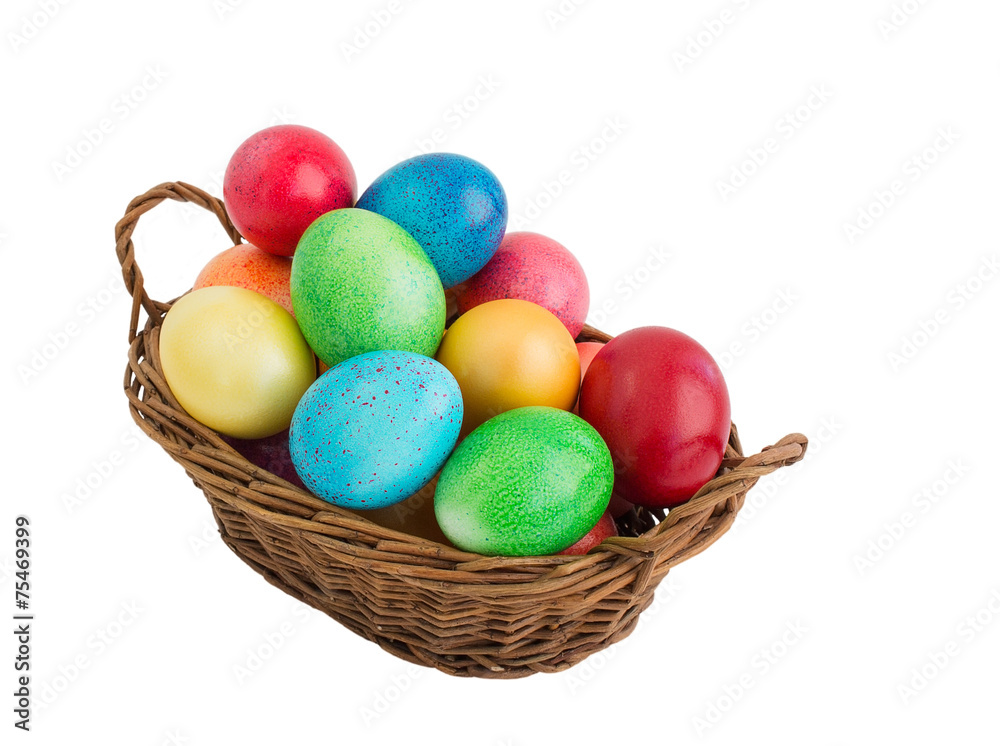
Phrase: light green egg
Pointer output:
(361, 283)
(530, 481)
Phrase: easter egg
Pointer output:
(619, 506)
(527, 482)
(375, 429)
(361, 283)
(270, 453)
(532, 267)
(453, 206)
(280, 180)
(659, 400)
(413, 516)
(246, 266)
(604, 528)
(510, 353)
(235, 360)
(586, 351)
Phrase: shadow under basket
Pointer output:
(462, 613)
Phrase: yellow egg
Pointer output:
(235, 360)
(507, 354)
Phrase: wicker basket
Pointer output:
(462, 613)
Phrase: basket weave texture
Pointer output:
(462, 613)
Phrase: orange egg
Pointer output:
(507, 354)
(587, 351)
(246, 266)
(414, 516)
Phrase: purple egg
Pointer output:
(270, 454)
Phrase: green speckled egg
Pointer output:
(529, 481)
(361, 283)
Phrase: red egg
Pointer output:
(618, 506)
(246, 266)
(535, 268)
(659, 400)
(280, 180)
(604, 528)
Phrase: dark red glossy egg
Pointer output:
(659, 400)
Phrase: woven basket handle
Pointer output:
(125, 249)
(710, 499)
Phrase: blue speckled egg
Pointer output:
(375, 428)
(453, 206)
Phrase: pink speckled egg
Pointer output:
(532, 267)
(246, 266)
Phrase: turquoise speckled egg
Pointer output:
(453, 206)
(529, 481)
(361, 283)
(375, 429)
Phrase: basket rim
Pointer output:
(702, 519)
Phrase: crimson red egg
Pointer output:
(532, 267)
(604, 528)
(659, 400)
(280, 180)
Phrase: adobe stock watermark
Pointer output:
(757, 326)
(224, 8)
(584, 672)
(371, 28)
(762, 664)
(786, 127)
(913, 170)
(899, 15)
(710, 31)
(4, 237)
(559, 13)
(769, 487)
(260, 652)
(629, 285)
(215, 179)
(246, 326)
(30, 26)
(119, 110)
(56, 342)
(456, 115)
(935, 661)
(175, 737)
(205, 539)
(96, 645)
(921, 503)
(580, 160)
(102, 469)
(388, 695)
(956, 300)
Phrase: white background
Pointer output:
(840, 570)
